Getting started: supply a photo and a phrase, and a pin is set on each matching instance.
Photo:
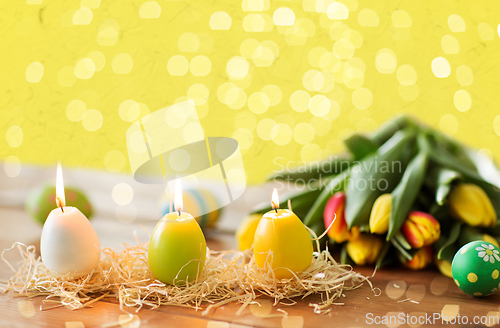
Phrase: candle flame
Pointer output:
(275, 203)
(178, 196)
(60, 199)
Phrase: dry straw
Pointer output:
(228, 276)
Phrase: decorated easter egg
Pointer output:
(41, 201)
(476, 268)
(200, 203)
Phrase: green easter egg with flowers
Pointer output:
(476, 268)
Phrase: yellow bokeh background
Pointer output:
(286, 79)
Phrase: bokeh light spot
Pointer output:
(264, 128)
(258, 102)
(343, 49)
(465, 76)
(237, 68)
(92, 121)
(485, 31)
(244, 137)
(449, 312)
(129, 110)
(386, 61)
(273, 92)
(450, 44)
(75, 110)
(200, 66)
(362, 98)
(496, 125)
(82, 16)
(283, 16)
(337, 10)
(188, 42)
(14, 136)
(107, 34)
(177, 65)
(122, 63)
(94, 4)
(462, 100)
(150, 10)
(319, 105)
(441, 67)
(401, 19)
(456, 23)
(220, 20)
(395, 289)
(12, 166)
(122, 193)
(34, 72)
(406, 75)
(98, 58)
(84, 69)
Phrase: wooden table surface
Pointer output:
(403, 292)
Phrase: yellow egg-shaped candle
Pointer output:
(283, 242)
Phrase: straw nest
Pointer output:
(228, 276)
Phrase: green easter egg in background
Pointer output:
(476, 268)
(41, 201)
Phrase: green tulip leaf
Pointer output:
(360, 146)
(452, 238)
(389, 128)
(312, 171)
(402, 240)
(381, 257)
(406, 192)
(442, 179)
(359, 201)
(401, 249)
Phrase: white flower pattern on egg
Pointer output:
(488, 252)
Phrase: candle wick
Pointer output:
(179, 212)
(59, 203)
(275, 207)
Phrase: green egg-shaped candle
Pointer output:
(40, 202)
(476, 268)
(177, 248)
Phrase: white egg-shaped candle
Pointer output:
(69, 244)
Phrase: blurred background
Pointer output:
(287, 79)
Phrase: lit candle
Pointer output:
(282, 241)
(177, 248)
(69, 243)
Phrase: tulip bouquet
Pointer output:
(406, 193)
